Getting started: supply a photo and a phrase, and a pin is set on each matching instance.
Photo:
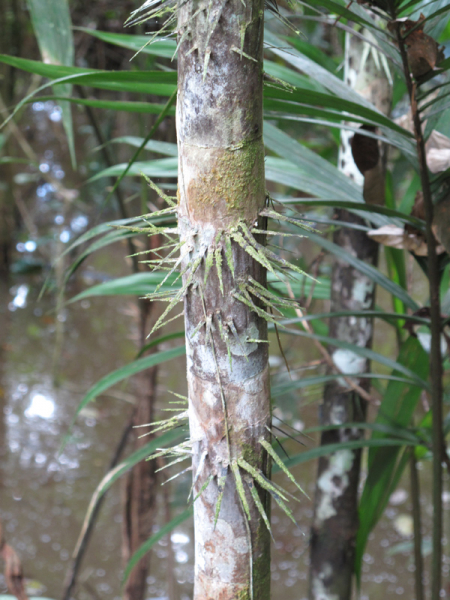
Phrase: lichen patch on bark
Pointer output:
(320, 590)
(223, 186)
(333, 483)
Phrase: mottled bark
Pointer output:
(221, 184)
(335, 521)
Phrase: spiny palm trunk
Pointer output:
(222, 190)
(335, 521)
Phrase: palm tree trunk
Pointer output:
(221, 191)
(335, 520)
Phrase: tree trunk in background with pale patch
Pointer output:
(335, 521)
(222, 192)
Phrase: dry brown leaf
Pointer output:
(438, 152)
(418, 210)
(423, 51)
(406, 122)
(437, 147)
(397, 237)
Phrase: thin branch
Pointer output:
(417, 521)
(435, 314)
(82, 544)
(328, 359)
(63, 192)
(109, 163)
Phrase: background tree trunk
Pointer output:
(139, 489)
(139, 492)
(335, 520)
(221, 185)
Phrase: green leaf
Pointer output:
(367, 211)
(106, 240)
(310, 163)
(138, 284)
(358, 105)
(313, 52)
(161, 340)
(160, 83)
(124, 372)
(53, 28)
(283, 73)
(385, 466)
(281, 170)
(165, 148)
(123, 467)
(366, 353)
(98, 230)
(302, 286)
(327, 449)
(408, 548)
(304, 382)
(150, 108)
(163, 48)
(374, 274)
(401, 433)
(146, 546)
(342, 11)
(150, 134)
(163, 167)
(389, 317)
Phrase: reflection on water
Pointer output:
(20, 294)
(44, 495)
(40, 407)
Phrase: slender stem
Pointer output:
(150, 134)
(435, 314)
(109, 162)
(82, 544)
(417, 521)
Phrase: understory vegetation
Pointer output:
(319, 249)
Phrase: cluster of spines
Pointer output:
(250, 292)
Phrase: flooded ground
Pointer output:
(44, 496)
(50, 358)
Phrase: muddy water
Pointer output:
(44, 497)
(49, 359)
